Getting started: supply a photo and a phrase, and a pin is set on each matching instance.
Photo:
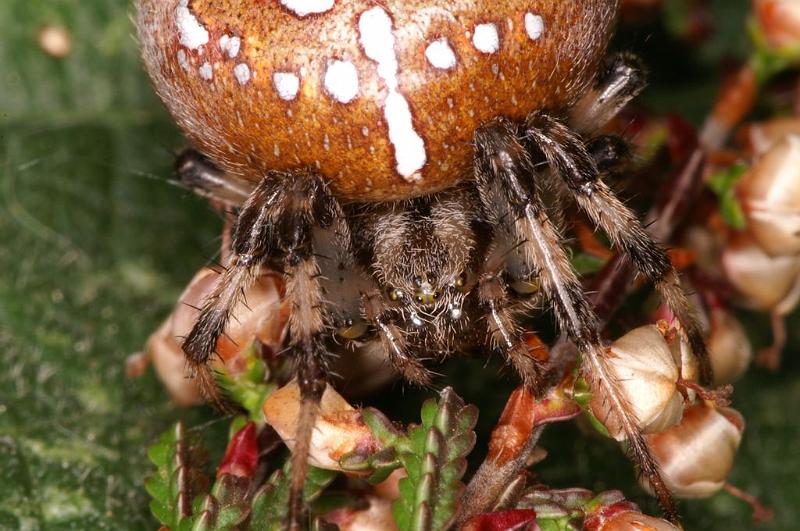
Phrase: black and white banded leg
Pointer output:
(275, 228)
(376, 311)
(504, 332)
(571, 163)
(505, 177)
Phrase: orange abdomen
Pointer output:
(381, 98)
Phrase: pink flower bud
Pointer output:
(766, 282)
(729, 348)
(259, 316)
(770, 195)
(779, 22)
(624, 516)
(759, 137)
(697, 455)
(338, 430)
(376, 517)
(647, 374)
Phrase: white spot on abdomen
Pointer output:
(242, 73)
(206, 72)
(302, 8)
(440, 54)
(230, 45)
(486, 38)
(377, 38)
(192, 34)
(409, 146)
(534, 26)
(183, 60)
(341, 81)
(286, 84)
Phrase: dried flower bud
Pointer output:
(377, 516)
(389, 488)
(522, 414)
(338, 430)
(770, 195)
(729, 347)
(259, 316)
(759, 137)
(647, 374)
(767, 283)
(697, 455)
(779, 22)
(670, 328)
(625, 516)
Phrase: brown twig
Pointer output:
(761, 513)
(513, 442)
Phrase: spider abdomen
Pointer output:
(381, 99)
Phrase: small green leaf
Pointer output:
(433, 455)
(381, 427)
(766, 61)
(178, 476)
(247, 388)
(270, 507)
(429, 411)
(723, 184)
(587, 264)
(560, 524)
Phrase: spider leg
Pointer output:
(377, 311)
(621, 79)
(251, 246)
(197, 173)
(276, 226)
(504, 176)
(503, 329)
(570, 161)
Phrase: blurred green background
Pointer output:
(95, 247)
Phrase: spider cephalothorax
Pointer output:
(403, 165)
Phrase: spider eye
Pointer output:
(461, 280)
(395, 294)
(418, 299)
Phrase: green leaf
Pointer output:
(434, 457)
(178, 477)
(724, 183)
(248, 388)
(586, 264)
(271, 502)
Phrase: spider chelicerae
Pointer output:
(445, 272)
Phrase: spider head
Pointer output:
(423, 254)
(428, 298)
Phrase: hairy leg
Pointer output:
(504, 332)
(276, 227)
(621, 79)
(570, 162)
(376, 311)
(197, 173)
(505, 176)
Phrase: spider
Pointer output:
(405, 169)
